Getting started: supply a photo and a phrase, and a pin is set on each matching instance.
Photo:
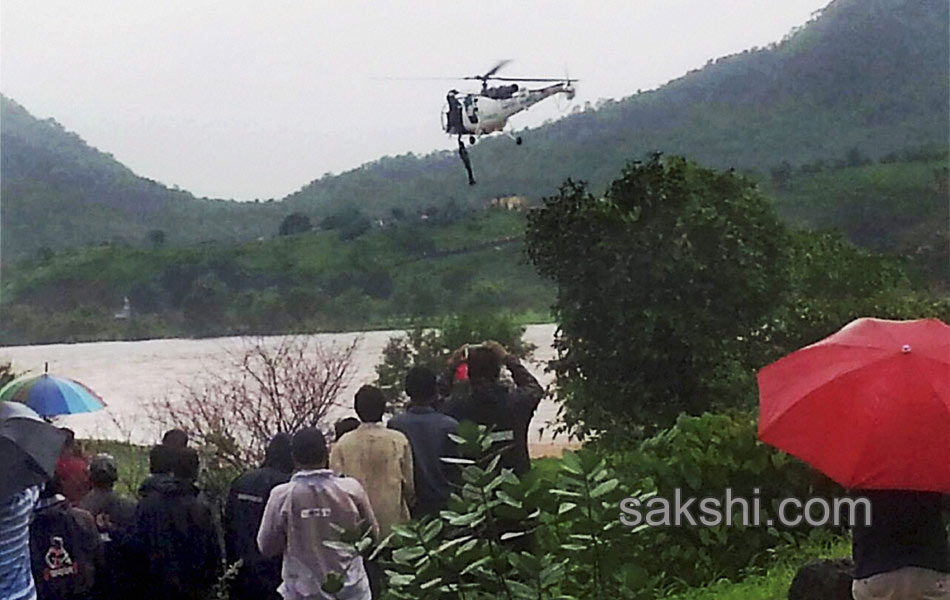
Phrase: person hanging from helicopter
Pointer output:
(454, 115)
(463, 154)
(471, 108)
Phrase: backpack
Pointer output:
(62, 553)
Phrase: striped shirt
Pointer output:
(16, 578)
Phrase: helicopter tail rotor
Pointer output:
(569, 91)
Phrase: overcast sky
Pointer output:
(249, 100)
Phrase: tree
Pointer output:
(156, 237)
(203, 307)
(782, 173)
(831, 283)
(350, 223)
(295, 223)
(658, 283)
(431, 347)
(264, 388)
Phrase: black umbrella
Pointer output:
(29, 448)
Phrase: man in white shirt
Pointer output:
(300, 516)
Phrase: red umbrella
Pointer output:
(868, 406)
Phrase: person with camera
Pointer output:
(489, 402)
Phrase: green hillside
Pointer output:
(864, 76)
(412, 268)
(58, 192)
(315, 281)
(870, 75)
(899, 206)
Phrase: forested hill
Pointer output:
(864, 79)
(870, 75)
(58, 192)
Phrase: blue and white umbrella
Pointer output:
(50, 396)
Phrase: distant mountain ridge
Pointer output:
(864, 75)
(58, 192)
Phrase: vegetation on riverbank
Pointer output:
(417, 271)
(406, 272)
(771, 581)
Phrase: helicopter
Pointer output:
(481, 113)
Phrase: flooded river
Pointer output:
(129, 375)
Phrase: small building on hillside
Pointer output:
(510, 202)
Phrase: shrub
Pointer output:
(657, 283)
(497, 540)
(267, 388)
(431, 347)
(702, 456)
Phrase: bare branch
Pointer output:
(269, 386)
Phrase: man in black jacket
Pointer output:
(65, 548)
(428, 433)
(258, 577)
(114, 516)
(489, 402)
(173, 549)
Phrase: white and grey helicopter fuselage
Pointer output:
(477, 114)
(486, 112)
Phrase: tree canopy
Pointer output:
(680, 282)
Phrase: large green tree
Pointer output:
(660, 281)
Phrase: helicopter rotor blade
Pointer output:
(415, 78)
(494, 70)
(549, 79)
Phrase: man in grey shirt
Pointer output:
(300, 516)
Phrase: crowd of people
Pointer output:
(76, 538)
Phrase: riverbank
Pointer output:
(130, 376)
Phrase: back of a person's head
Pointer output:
(53, 487)
(309, 447)
(344, 426)
(103, 471)
(483, 364)
(186, 464)
(176, 438)
(161, 459)
(70, 447)
(421, 384)
(279, 454)
(370, 404)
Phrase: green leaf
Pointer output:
(567, 493)
(467, 520)
(604, 488)
(475, 565)
(449, 544)
(432, 530)
(407, 555)
(457, 461)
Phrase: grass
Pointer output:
(772, 584)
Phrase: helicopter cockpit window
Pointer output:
(471, 108)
